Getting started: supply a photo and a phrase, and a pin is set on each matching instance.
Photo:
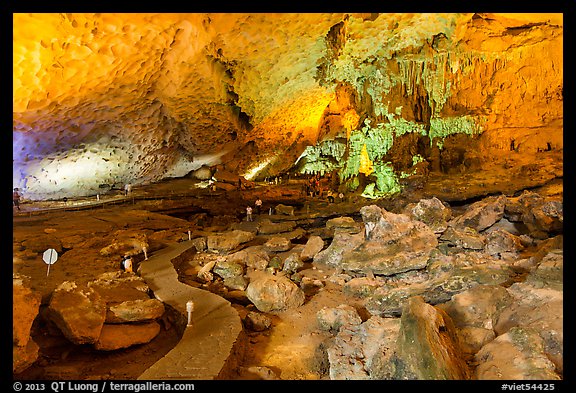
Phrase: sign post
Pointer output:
(50, 256)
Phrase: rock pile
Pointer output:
(469, 295)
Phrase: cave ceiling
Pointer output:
(140, 97)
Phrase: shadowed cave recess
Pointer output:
(393, 111)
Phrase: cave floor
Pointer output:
(288, 350)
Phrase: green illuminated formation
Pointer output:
(346, 157)
(321, 158)
(383, 82)
(386, 182)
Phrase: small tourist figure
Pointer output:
(330, 196)
(16, 198)
(248, 213)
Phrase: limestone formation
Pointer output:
(25, 307)
(428, 347)
(115, 336)
(515, 355)
(274, 293)
(113, 98)
(78, 312)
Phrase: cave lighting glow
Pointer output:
(254, 171)
(76, 172)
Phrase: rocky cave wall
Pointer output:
(115, 98)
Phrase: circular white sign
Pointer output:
(50, 256)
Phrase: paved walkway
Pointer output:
(206, 345)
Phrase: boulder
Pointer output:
(135, 311)
(313, 246)
(431, 212)
(227, 269)
(515, 355)
(345, 223)
(539, 308)
(428, 346)
(361, 351)
(482, 214)
(479, 306)
(78, 312)
(500, 241)
(118, 336)
(342, 242)
(225, 242)
(274, 293)
(292, 263)
(284, 209)
(117, 287)
(277, 244)
(333, 318)
(25, 307)
(465, 237)
(257, 322)
(394, 244)
(268, 227)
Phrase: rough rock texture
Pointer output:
(516, 355)
(25, 307)
(119, 336)
(274, 293)
(113, 98)
(78, 312)
(428, 347)
(394, 244)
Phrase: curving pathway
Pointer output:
(205, 346)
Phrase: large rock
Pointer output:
(362, 351)
(25, 307)
(343, 241)
(482, 214)
(395, 244)
(427, 346)
(333, 318)
(465, 237)
(268, 227)
(227, 269)
(475, 312)
(135, 311)
(225, 242)
(78, 312)
(431, 212)
(542, 216)
(274, 293)
(479, 306)
(539, 308)
(284, 209)
(313, 246)
(120, 336)
(500, 241)
(117, 287)
(254, 257)
(24, 356)
(277, 244)
(346, 223)
(516, 355)
(127, 242)
(447, 275)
